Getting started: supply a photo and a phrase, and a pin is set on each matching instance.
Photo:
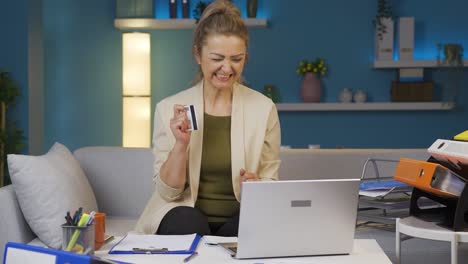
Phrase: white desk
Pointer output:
(365, 251)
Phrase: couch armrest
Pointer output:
(13, 226)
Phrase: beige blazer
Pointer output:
(255, 144)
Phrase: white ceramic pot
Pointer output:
(345, 96)
(360, 96)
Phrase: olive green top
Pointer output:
(215, 194)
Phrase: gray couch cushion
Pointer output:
(120, 177)
(17, 230)
(48, 186)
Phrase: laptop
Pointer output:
(296, 218)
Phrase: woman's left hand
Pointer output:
(248, 176)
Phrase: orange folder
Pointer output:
(430, 177)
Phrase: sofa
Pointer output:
(121, 179)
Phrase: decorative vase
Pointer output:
(252, 8)
(360, 96)
(311, 88)
(345, 96)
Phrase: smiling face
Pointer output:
(222, 60)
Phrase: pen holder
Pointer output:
(78, 239)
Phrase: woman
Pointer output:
(198, 174)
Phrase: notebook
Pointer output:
(296, 218)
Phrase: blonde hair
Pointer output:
(219, 17)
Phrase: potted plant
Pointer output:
(311, 71)
(384, 11)
(453, 54)
(11, 137)
(198, 10)
(384, 30)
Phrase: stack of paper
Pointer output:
(382, 188)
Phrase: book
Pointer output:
(185, 8)
(430, 177)
(410, 74)
(406, 38)
(462, 136)
(384, 42)
(452, 152)
(134, 9)
(412, 91)
(172, 8)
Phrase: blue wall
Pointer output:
(83, 70)
(14, 55)
(82, 74)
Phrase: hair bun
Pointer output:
(220, 7)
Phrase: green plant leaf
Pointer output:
(12, 139)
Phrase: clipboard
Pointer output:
(17, 253)
(156, 244)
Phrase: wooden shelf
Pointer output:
(412, 106)
(179, 23)
(411, 64)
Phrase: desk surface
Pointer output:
(364, 251)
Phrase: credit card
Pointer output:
(192, 117)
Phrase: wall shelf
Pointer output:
(411, 64)
(411, 106)
(179, 23)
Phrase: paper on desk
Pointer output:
(171, 242)
(375, 193)
(382, 188)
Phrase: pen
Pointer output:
(74, 217)
(191, 256)
(76, 234)
(69, 220)
(91, 218)
(80, 213)
(68, 217)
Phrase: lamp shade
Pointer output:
(136, 80)
(137, 120)
(136, 64)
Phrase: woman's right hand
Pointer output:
(180, 125)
